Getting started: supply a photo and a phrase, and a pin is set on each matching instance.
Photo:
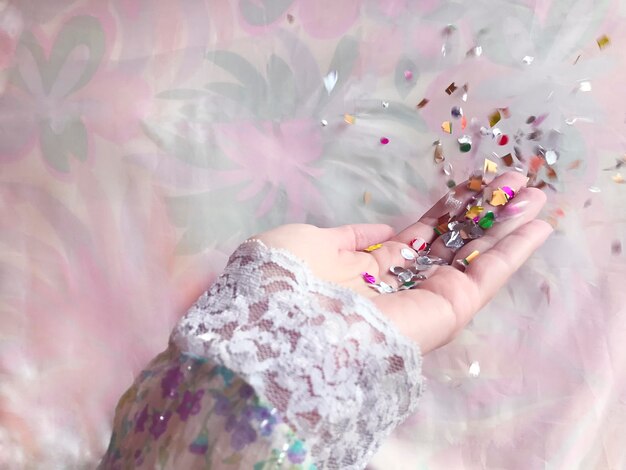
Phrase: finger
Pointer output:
(453, 202)
(492, 269)
(512, 179)
(357, 237)
(530, 200)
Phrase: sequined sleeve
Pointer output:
(317, 363)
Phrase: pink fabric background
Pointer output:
(140, 141)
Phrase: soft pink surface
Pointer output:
(140, 141)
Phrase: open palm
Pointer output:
(436, 311)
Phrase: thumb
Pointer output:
(355, 237)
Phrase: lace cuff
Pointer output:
(339, 372)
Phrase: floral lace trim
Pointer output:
(338, 371)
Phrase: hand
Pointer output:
(437, 310)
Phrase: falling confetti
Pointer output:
(503, 139)
(408, 75)
(385, 104)
(349, 118)
(474, 369)
(475, 182)
(603, 41)
(508, 159)
(528, 59)
(465, 143)
(456, 112)
(489, 166)
(494, 118)
(384, 140)
(438, 154)
(324, 122)
(446, 126)
(451, 88)
(422, 103)
(618, 178)
(330, 81)
(476, 51)
(584, 86)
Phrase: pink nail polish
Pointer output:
(512, 210)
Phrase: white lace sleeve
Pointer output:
(339, 372)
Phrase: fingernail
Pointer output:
(512, 210)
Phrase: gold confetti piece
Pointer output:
(375, 247)
(474, 212)
(618, 178)
(498, 198)
(475, 183)
(494, 118)
(603, 41)
(489, 166)
(508, 159)
(446, 126)
(451, 88)
(422, 103)
(438, 154)
(367, 197)
(349, 118)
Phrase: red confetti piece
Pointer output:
(384, 140)
(503, 139)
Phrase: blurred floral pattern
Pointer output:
(141, 141)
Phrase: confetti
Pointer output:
(375, 247)
(528, 59)
(474, 52)
(584, 86)
(463, 122)
(384, 140)
(603, 41)
(475, 183)
(349, 118)
(438, 154)
(367, 197)
(503, 139)
(407, 254)
(469, 258)
(551, 157)
(330, 81)
(418, 244)
(442, 224)
(465, 89)
(508, 159)
(324, 122)
(456, 112)
(465, 143)
(618, 178)
(487, 221)
(368, 278)
(494, 118)
(473, 212)
(451, 184)
(408, 75)
(474, 369)
(498, 198)
(453, 240)
(446, 126)
(530, 119)
(385, 104)
(508, 191)
(490, 167)
(422, 103)
(594, 189)
(451, 88)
